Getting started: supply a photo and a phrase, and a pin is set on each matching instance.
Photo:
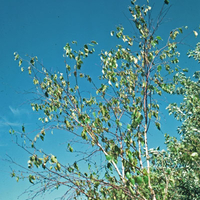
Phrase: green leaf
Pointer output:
(132, 180)
(29, 70)
(42, 137)
(94, 42)
(157, 125)
(81, 75)
(89, 78)
(74, 42)
(70, 148)
(58, 166)
(23, 129)
(43, 132)
(12, 174)
(20, 62)
(130, 156)
(159, 38)
(159, 68)
(70, 169)
(109, 157)
(166, 2)
(118, 122)
(138, 180)
(54, 159)
(16, 56)
(180, 30)
(194, 154)
(112, 33)
(185, 70)
(67, 123)
(145, 178)
(84, 135)
(32, 61)
(76, 165)
(94, 114)
(35, 81)
(68, 67)
(128, 175)
(31, 179)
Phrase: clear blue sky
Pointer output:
(42, 28)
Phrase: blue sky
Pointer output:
(42, 28)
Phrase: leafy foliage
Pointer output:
(179, 165)
(115, 118)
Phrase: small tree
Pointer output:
(113, 121)
(179, 166)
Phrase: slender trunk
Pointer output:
(146, 68)
(140, 152)
(145, 139)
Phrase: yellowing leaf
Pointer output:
(195, 33)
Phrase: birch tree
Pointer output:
(112, 122)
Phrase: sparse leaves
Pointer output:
(111, 120)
